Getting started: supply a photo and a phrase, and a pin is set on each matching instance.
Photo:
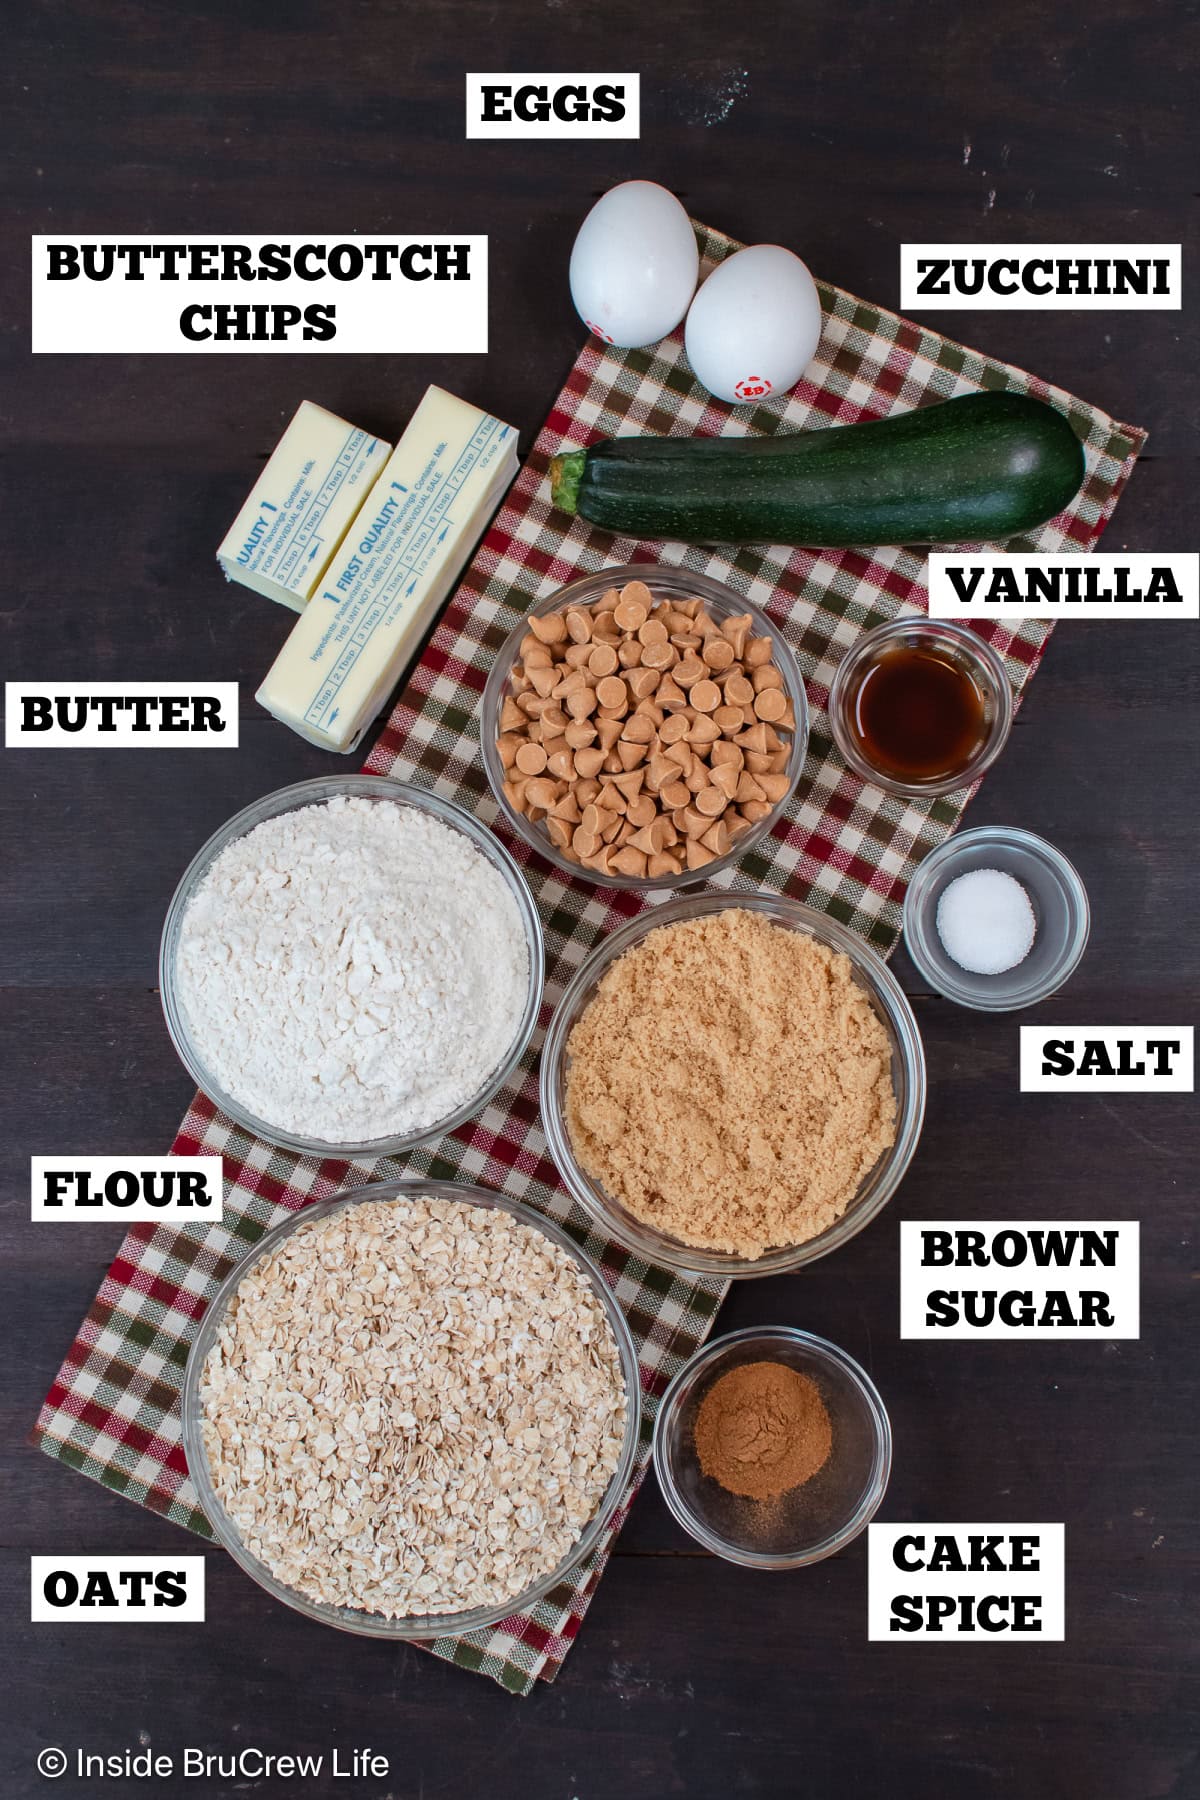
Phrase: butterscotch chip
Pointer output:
(704, 729)
(705, 696)
(737, 630)
(652, 631)
(582, 703)
(589, 762)
(561, 764)
(577, 625)
(717, 839)
(585, 843)
(579, 734)
(774, 787)
(758, 651)
(642, 682)
(726, 777)
(717, 651)
(608, 731)
(659, 656)
(767, 676)
(632, 612)
(711, 802)
(607, 601)
(612, 692)
(550, 630)
(531, 759)
(726, 753)
(542, 792)
(729, 718)
(630, 755)
(602, 660)
(697, 854)
(629, 655)
(642, 811)
(770, 704)
(738, 691)
(689, 670)
(676, 793)
(638, 729)
(755, 1132)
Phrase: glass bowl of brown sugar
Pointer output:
(772, 1448)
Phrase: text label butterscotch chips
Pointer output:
(645, 735)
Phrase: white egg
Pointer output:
(755, 325)
(634, 265)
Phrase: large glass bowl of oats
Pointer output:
(412, 1409)
(732, 1084)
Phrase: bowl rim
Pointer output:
(873, 1493)
(887, 996)
(435, 1625)
(940, 862)
(581, 591)
(973, 645)
(289, 799)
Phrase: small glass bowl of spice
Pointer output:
(996, 919)
(772, 1448)
(920, 707)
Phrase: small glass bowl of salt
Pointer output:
(996, 919)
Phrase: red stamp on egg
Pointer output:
(752, 387)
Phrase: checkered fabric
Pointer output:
(844, 846)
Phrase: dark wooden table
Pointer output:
(843, 132)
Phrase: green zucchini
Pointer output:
(982, 467)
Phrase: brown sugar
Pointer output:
(730, 1083)
(762, 1429)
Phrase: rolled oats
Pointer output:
(413, 1407)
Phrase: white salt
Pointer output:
(986, 922)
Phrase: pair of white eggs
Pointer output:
(752, 329)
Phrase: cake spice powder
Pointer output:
(762, 1430)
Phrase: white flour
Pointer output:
(352, 970)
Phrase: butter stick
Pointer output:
(397, 567)
(294, 520)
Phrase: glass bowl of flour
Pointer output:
(351, 966)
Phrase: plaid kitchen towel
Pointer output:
(844, 846)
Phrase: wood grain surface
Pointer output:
(842, 131)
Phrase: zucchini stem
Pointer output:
(566, 473)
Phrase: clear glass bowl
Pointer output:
(813, 1521)
(665, 583)
(957, 645)
(347, 1618)
(908, 1079)
(383, 789)
(1060, 906)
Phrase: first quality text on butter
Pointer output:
(320, 473)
